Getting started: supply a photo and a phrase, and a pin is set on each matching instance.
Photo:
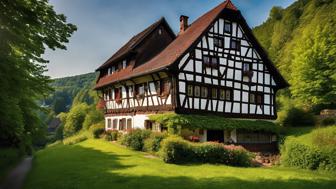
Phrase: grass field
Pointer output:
(99, 164)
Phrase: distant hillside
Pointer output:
(70, 89)
(285, 29)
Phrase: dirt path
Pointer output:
(17, 176)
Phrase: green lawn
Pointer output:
(99, 164)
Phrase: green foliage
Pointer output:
(27, 29)
(59, 133)
(80, 137)
(135, 139)
(74, 119)
(315, 63)
(103, 164)
(179, 151)
(328, 121)
(300, 40)
(153, 143)
(297, 117)
(294, 154)
(311, 150)
(97, 130)
(94, 116)
(176, 121)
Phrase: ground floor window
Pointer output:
(129, 123)
(122, 124)
(115, 124)
(109, 124)
(250, 137)
(148, 125)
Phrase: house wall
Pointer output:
(228, 75)
(151, 101)
(137, 120)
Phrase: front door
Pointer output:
(215, 135)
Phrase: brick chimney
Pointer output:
(183, 23)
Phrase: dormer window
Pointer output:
(219, 42)
(235, 44)
(227, 27)
(247, 69)
(210, 61)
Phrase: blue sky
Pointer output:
(105, 25)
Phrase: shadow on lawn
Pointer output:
(72, 167)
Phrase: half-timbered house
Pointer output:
(213, 66)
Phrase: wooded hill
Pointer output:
(301, 41)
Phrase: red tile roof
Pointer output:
(174, 50)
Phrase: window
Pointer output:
(164, 87)
(112, 69)
(190, 90)
(214, 93)
(218, 42)
(228, 94)
(124, 64)
(257, 98)
(210, 61)
(109, 91)
(109, 71)
(122, 124)
(117, 94)
(252, 98)
(115, 124)
(251, 137)
(109, 124)
(119, 66)
(227, 27)
(222, 95)
(129, 123)
(139, 90)
(204, 92)
(235, 44)
(148, 125)
(130, 90)
(246, 67)
(197, 91)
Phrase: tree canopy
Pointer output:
(27, 28)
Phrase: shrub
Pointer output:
(74, 119)
(176, 150)
(111, 135)
(94, 116)
(152, 144)
(135, 139)
(75, 139)
(297, 117)
(328, 161)
(294, 154)
(328, 121)
(97, 130)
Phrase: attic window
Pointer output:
(210, 61)
(124, 64)
(235, 44)
(160, 31)
(227, 27)
(219, 42)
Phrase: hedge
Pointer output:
(296, 154)
(135, 139)
(178, 151)
(177, 121)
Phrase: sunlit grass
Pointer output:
(99, 164)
